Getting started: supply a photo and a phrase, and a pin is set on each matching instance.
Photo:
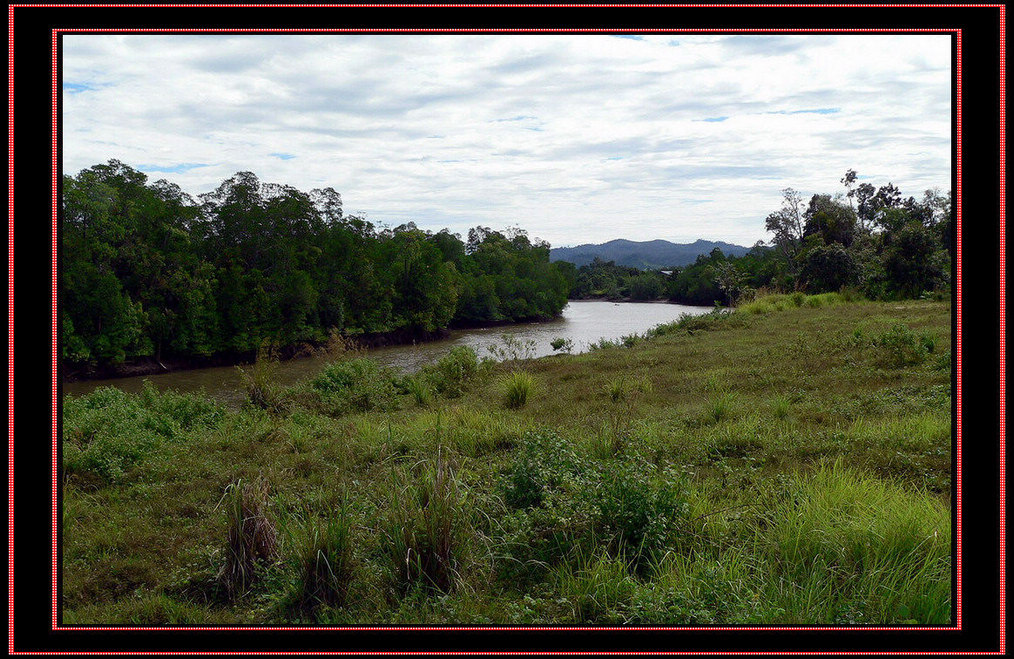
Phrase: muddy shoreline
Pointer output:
(151, 366)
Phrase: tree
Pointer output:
(787, 224)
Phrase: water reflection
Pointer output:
(583, 322)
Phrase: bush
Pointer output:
(108, 431)
(639, 517)
(562, 344)
(517, 388)
(357, 385)
(450, 375)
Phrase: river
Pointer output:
(583, 321)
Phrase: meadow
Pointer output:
(785, 463)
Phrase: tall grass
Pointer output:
(842, 537)
(251, 536)
(719, 408)
(425, 531)
(321, 552)
(517, 388)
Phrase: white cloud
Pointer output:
(578, 138)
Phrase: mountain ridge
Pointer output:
(647, 254)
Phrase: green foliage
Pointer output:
(451, 374)
(357, 385)
(149, 273)
(605, 279)
(320, 550)
(251, 536)
(900, 347)
(108, 432)
(562, 344)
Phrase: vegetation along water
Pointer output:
(783, 459)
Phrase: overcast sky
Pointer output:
(577, 139)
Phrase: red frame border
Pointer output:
(55, 626)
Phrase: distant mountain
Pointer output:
(644, 255)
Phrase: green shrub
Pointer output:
(562, 344)
(636, 515)
(357, 385)
(900, 347)
(452, 372)
(108, 431)
(517, 388)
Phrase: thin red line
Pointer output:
(518, 5)
(483, 30)
(10, 321)
(1003, 325)
(477, 30)
(957, 311)
(55, 383)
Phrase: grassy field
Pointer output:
(786, 463)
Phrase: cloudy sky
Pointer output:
(580, 138)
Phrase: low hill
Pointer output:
(644, 255)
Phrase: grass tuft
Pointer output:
(517, 388)
(251, 536)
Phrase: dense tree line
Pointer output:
(867, 238)
(605, 279)
(149, 272)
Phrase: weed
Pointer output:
(719, 408)
(251, 536)
(562, 344)
(900, 347)
(425, 534)
(513, 349)
(517, 388)
(780, 407)
(419, 390)
(258, 380)
(321, 552)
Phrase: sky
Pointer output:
(575, 138)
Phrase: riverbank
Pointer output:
(785, 465)
(152, 366)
